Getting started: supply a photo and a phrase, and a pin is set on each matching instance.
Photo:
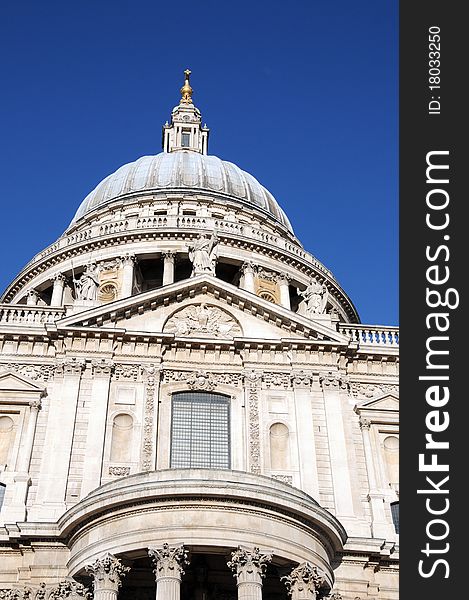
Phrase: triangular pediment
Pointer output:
(202, 306)
(11, 382)
(388, 402)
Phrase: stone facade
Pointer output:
(158, 303)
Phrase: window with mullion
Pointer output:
(200, 431)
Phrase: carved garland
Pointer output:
(252, 381)
(147, 450)
(370, 390)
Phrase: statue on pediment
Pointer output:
(315, 297)
(203, 255)
(86, 287)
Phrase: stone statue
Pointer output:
(203, 255)
(315, 297)
(86, 287)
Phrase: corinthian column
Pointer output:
(169, 568)
(168, 267)
(107, 573)
(58, 290)
(128, 262)
(284, 287)
(249, 569)
(304, 582)
(248, 270)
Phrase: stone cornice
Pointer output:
(212, 286)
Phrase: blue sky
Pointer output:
(303, 95)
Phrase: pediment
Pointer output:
(11, 382)
(202, 306)
(387, 402)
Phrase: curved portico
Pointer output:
(209, 512)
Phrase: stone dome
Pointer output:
(183, 170)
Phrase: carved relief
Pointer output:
(202, 320)
(102, 367)
(152, 373)
(334, 380)
(249, 566)
(34, 372)
(109, 275)
(304, 578)
(301, 379)
(119, 471)
(107, 572)
(69, 589)
(252, 382)
(288, 479)
(202, 379)
(370, 390)
(169, 562)
(70, 366)
(266, 285)
(277, 380)
(129, 372)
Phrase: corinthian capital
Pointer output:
(107, 572)
(168, 562)
(249, 566)
(334, 380)
(304, 581)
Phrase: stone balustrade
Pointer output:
(372, 335)
(20, 314)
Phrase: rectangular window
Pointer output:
(200, 431)
(185, 139)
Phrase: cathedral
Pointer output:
(190, 407)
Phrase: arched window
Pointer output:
(6, 435)
(121, 443)
(200, 431)
(395, 515)
(279, 446)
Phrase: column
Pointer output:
(128, 262)
(168, 266)
(284, 287)
(169, 568)
(32, 298)
(379, 525)
(304, 582)
(249, 569)
(107, 573)
(248, 270)
(58, 290)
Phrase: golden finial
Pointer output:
(186, 90)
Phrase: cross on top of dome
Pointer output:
(185, 132)
(186, 90)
